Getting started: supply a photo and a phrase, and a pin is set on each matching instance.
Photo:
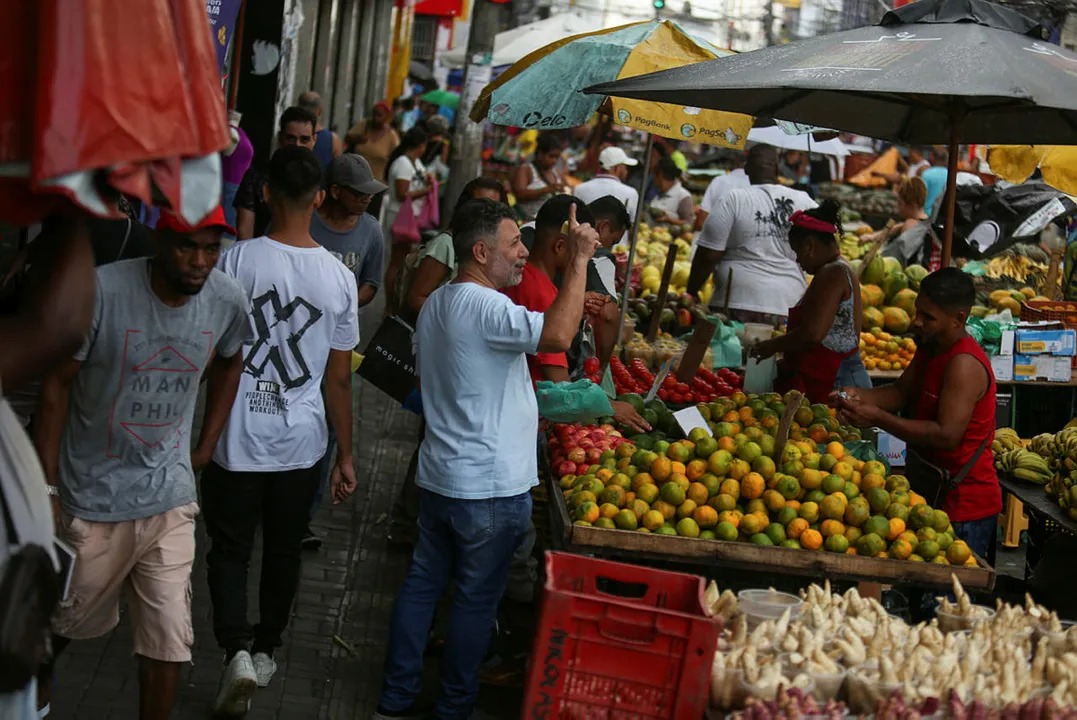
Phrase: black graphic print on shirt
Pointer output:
(271, 321)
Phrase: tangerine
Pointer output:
(796, 527)
(752, 486)
(811, 539)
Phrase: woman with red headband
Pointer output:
(823, 328)
(375, 140)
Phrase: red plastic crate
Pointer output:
(620, 642)
(1041, 310)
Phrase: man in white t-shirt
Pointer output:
(720, 186)
(614, 163)
(478, 459)
(265, 469)
(748, 232)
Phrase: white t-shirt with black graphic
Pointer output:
(303, 304)
(752, 225)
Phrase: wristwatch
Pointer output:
(52, 490)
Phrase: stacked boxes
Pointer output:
(1043, 351)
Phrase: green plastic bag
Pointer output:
(725, 345)
(988, 333)
(865, 450)
(579, 401)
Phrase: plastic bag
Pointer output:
(725, 345)
(578, 401)
(865, 451)
(987, 333)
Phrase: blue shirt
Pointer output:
(323, 147)
(481, 414)
(935, 180)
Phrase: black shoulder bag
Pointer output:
(29, 591)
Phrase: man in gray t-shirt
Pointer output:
(113, 431)
(342, 226)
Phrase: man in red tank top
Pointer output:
(947, 401)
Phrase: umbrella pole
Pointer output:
(956, 120)
(635, 236)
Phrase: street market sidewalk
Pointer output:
(330, 665)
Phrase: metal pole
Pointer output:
(645, 164)
(465, 162)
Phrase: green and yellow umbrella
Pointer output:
(1016, 163)
(542, 90)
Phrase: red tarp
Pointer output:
(127, 85)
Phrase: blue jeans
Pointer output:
(469, 543)
(852, 373)
(979, 535)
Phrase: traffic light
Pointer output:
(659, 4)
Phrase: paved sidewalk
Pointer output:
(330, 665)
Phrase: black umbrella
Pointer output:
(934, 71)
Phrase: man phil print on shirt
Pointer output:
(157, 387)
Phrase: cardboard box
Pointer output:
(1002, 367)
(892, 448)
(1046, 342)
(1006, 344)
(1051, 368)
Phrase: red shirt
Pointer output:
(977, 496)
(536, 292)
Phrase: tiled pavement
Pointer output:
(330, 665)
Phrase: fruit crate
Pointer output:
(620, 641)
(1048, 310)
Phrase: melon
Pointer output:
(873, 318)
(894, 283)
(875, 272)
(916, 275)
(871, 296)
(892, 265)
(896, 320)
(906, 300)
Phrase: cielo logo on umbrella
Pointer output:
(688, 130)
(624, 117)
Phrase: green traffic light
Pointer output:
(659, 4)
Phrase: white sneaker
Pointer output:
(238, 683)
(264, 667)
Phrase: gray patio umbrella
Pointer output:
(931, 72)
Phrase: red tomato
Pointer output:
(590, 366)
(670, 383)
(676, 398)
(682, 388)
(663, 394)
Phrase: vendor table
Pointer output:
(1045, 518)
(1038, 503)
(628, 546)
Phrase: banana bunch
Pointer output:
(1025, 465)
(1009, 265)
(1044, 445)
(850, 246)
(1005, 440)
(1066, 442)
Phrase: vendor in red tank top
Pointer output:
(950, 390)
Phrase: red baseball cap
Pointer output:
(215, 219)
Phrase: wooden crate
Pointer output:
(745, 556)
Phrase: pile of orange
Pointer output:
(882, 351)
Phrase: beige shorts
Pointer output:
(150, 557)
